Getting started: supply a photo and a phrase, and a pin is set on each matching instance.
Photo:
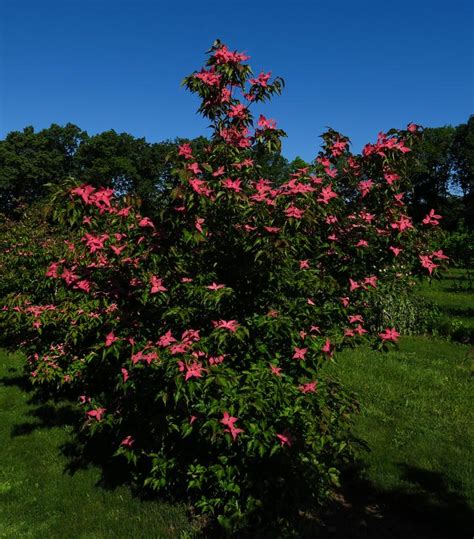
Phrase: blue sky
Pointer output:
(357, 66)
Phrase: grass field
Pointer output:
(416, 481)
(43, 496)
(454, 297)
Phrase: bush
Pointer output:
(459, 246)
(195, 342)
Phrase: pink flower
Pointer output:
(355, 318)
(198, 224)
(395, 250)
(215, 286)
(125, 375)
(354, 285)
(97, 413)
(299, 352)
(390, 177)
(224, 56)
(285, 438)
(432, 218)
(217, 360)
(371, 281)
(439, 254)
(403, 223)
(261, 80)
(210, 78)
(117, 249)
(362, 243)
(233, 185)
(327, 348)
(110, 339)
(219, 172)
(265, 123)
(309, 387)
(186, 151)
(194, 168)
(84, 191)
(156, 285)
(200, 187)
(365, 187)
(389, 335)
(275, 370)
(428, 263)
(229, 421)
(146, 221)
(231, 325)
(304, 264)
(95, 243)
(127, 442)
(52, 270)
(166, 339)
(327, 194)
(83, 284)
(101, 198)
(293, 211)
(141, 356)
(194, 370)
(238, 111)
(360, 330)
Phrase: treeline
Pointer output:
(442, 175)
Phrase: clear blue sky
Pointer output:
(358, 66)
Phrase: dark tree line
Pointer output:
(30, 160)
(442, 174)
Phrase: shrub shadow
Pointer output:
(47, 416)
(427, 508)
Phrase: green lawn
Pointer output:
(42, 496)
(415, 481)
(454, 296)
(417, 419)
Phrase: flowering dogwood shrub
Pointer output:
(196, 341)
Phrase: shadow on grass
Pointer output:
(47, 416)
(427, 508)
(466, 312)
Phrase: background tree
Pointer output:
(463, 152)
(28, 160)
(432, 175)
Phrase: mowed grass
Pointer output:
(453, 294)
(417, 419)
(41, 496)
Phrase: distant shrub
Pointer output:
(459, 246)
